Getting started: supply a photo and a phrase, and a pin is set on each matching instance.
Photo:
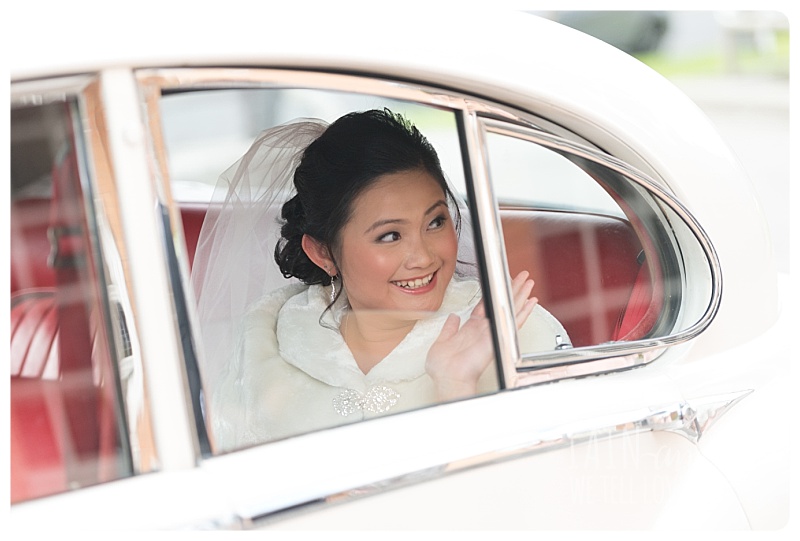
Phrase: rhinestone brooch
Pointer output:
(378, 399)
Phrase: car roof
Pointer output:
(512, 57)
(502, 49)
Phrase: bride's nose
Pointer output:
(420, 253)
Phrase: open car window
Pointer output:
(612, 258)
(206, 131)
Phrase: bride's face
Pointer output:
(398, 250)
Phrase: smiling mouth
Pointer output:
(415, 284)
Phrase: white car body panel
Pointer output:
(734, 477)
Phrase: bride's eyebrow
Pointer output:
(381, 223)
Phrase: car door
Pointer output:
(614, 256)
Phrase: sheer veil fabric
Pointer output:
(234, 264)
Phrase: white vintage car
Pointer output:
(669, 406)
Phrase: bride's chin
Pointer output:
(428, 304)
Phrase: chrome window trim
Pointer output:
(217, 78)
(492, 248)
(166, 382)
(127, 145)
(75, 91)
(97, 223)
(177, 264)
(614, 356)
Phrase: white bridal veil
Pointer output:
(234, 263)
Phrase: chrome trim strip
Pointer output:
(177, 262)
(198, 78)
(95, 187)
(501, 306)
(669, 417)
(164, 372)
(580, 355)
(707, 411)
(535, 371)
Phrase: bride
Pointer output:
(381, 315)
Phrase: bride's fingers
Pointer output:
(524, 303)
(450, 327)
(523, 292)
(521, 281)
(525, 311)
(521, 287)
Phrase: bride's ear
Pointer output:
(319, 254)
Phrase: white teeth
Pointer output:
(414, 284)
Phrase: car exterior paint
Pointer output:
(666, 466)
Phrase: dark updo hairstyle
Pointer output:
(348, 157)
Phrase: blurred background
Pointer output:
(735, 66)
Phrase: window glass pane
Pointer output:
(609, 259)
(207, 131)
(67, 425)
(531, 175)
(278, 357)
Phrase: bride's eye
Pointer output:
(389, 237)
(438, 222)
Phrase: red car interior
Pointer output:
(63, 411)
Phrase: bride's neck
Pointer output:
(371, 338)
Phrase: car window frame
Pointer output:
(603, 358)
(109, 101)
(155, 81)
(474, 115)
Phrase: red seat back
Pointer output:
(585, 266)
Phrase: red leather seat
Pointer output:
(63, 409)
(38, 422)
(38, 438)
(55, 438)
(34, 334)
(584, 265)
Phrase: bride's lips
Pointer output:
(417, 286)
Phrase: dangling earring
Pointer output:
(333, 288)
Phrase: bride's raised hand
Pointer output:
(462, 353)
